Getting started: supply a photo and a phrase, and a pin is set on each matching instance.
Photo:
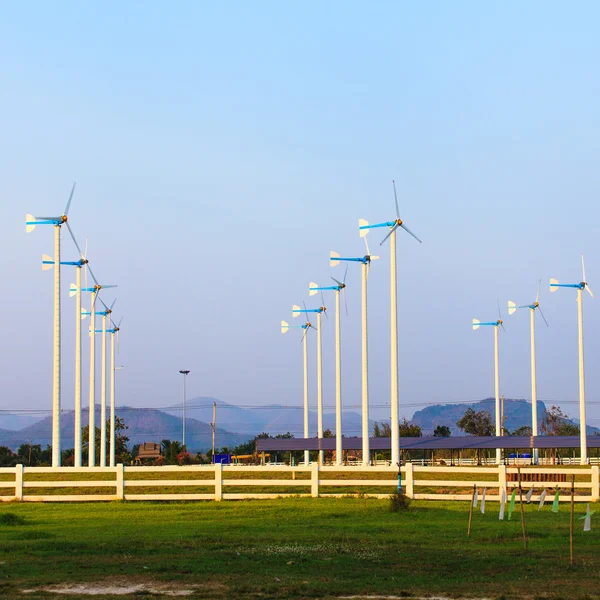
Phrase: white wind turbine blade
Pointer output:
(588, 290)
(29, 228)
(48, 260)
(389, 233)
(543, 317)
(396, 200)
(69, 201)
(311, 288)
(411, 233)
(363, 223)
(367, 246)
(583, 269)
(537, 298)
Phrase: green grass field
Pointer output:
(294, 548)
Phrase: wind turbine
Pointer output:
(512, 308)
(296, 310)
(115, 330)
(364, 228)
(495, 324)
(313, 288)
(334, 259)
(105, 313)
(30, 224)
(554, 285)
(47, 263)
(285, 326)
(94, 291)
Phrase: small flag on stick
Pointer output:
(529, 495)
(511, 506)
(587, 519)
(483, 501)
(542, 499)
(474, 496)
(556, 501)
(502, 504)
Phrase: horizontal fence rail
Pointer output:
(234, 482)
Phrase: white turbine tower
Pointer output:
(94, 291)
(47, 263)
(104, 313)
(582, 285)
(334, 259)
(296, 310)
(113, 331)
(313, 288)
(284, 328)
(512, 308)
(364, 228)
(495, 324)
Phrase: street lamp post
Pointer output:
(185, 374)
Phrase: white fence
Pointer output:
(228, 482)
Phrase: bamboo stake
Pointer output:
(471, 511)
(522, 513)
(572, 517)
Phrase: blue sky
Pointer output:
(221, 150)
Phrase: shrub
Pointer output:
(399, 502)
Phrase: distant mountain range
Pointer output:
(273, 418)
(236, 425)
(517, 413)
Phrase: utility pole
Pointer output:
(185, 373)
(213, 426)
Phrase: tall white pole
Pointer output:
(319, 386)
(395, 425)
(103, 395)
(497, 391)
(112, 401)
(338, 382)
(77, 457)
(305, 354)
(582, 419)
(184, 407)
(365, 370)
(534, 417)
(56, 356)
(92, 410)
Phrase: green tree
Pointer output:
(383, 430)
(7, 457)
(523, 430)
(555, 422)
(476, 423)
(32, 455)
(169, 450)
(442, 431)
(122, 454)
(410, 429)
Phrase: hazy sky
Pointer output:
(221, 150)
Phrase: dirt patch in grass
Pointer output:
(115, 588)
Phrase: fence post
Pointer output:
(218, 482)
(19, 482)
(595, 483)
(314, 480)
(410, 486)
(501, 479)
(120, 482)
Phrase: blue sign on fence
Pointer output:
(224, 459)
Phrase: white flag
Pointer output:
(474, 496)
(529, 495)
(483, 501)
(587, 519)
(502, 503)
(542, 499)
